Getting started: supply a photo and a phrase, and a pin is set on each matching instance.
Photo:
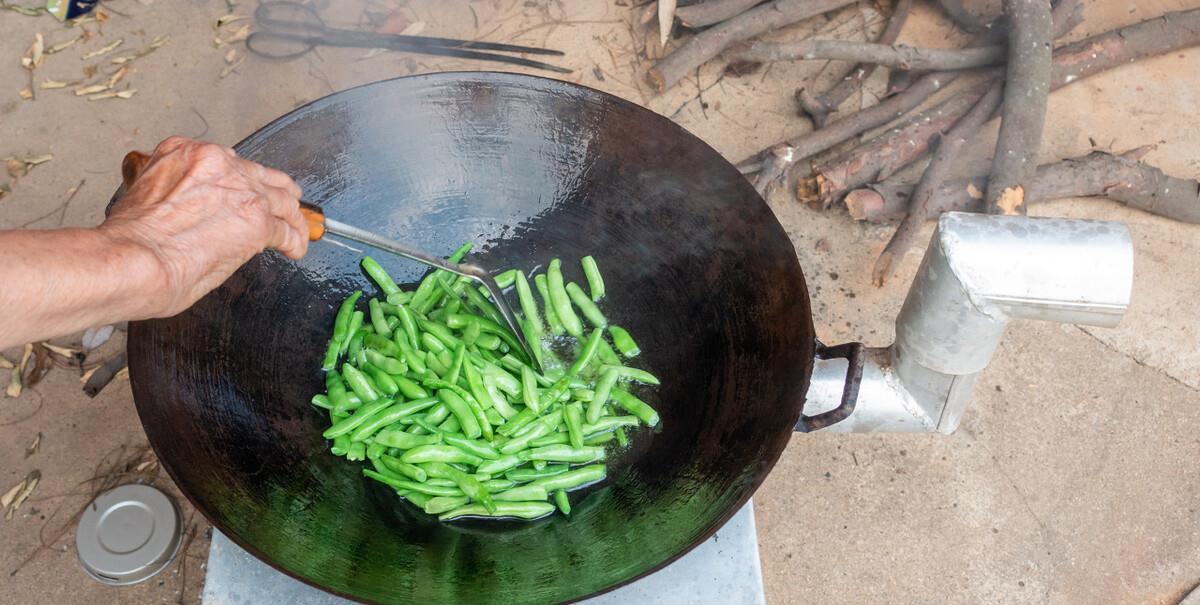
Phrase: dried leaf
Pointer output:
(30, 482)
(28, 11)
(67, 352)
(147, 465)
(153, 46)
(14, 380)
(26, 94)
(117, 77)
(90, 70)
(238, 36)
(974, 191)
(16, 168)
(231, 56)
(38, 159)
(32, 448)
(11, 494)
(122, 374)
(93, 338)
(52, 84)
(34, 56)
(5, 189)
(666, 19)
(5, 364)
(371, 54)
(113, 94)
(101, 51)
(88, 374)
(227, 19)
(90, 90)
(230, 68)
(61, 46)
(413, 29)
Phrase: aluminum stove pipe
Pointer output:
(979, 272)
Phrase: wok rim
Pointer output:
(772, 457)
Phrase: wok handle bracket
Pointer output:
(853, 353)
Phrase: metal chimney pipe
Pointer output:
(979, 272)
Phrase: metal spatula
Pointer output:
(319, 226)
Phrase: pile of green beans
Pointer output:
(432, 390)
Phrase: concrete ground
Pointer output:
(1075, 477)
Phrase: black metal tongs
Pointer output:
(290, 29)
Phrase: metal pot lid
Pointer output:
(128, 534)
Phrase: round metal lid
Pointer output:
(128, 534)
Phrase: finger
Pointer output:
(286, 207)
(270, 176)
(286, 239)
(170, 144)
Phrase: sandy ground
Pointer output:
(1073, 479)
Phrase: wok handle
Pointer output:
(135, 164)
(852, 352)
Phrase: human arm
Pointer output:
(196, 214)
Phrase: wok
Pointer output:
(698, 269)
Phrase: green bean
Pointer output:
(477, 448)
(381, 380)
(438, 453)
(484, 396)
(490, 342)
(426, 425)
(635, 406)
(573, 416)
(563, 453)
(607, 355)
(322, 401)
(603, 388)
(562, 501)
(337, 391)
(360, 416)
(356, 320)
(573, 478)
(378, 321)
(499, 465)
(485, 427)
(341, 445)
(357, 452)
(539, 465)
(481, 304)
(519, 443)
(599, 438)
(529, 389)
(552, 420)
(582, 395)
(506, 278)
(493, 417)
(441, 332)
(429, 342)
(441, 482)
(389, 415)
(408, 325)
(471, 334)
(441, 504)
(462, 411)
(503, 380)
(460, 354)
(623, 341)
(414, 358)
(381, 344)
(341, 323)
(499, 485)
(635, 374)
(434, 365)
(609, 423)
(551, 439)
(385, 363)
(521, 510)
(451, 425)
(355, 353)
(413, 486)
(525, 295)
(399, 298)
(397, 465)
(533, 335)
(392, 322)
(561, 301)
(409, 388)
(405, 440)
(622, 440)
(419, 500)
(585, 357)
(468, 484)
(540, 282)
(380, 276)
(521, 493)
(331, 355)
(359, 383)
(586, 306)
(528, 474)
(595, 281)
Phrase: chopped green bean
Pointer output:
(389, 415)
(609, 423)
(562, 501)
(411, 471)
(595, 282)
(382, 381)
(525, 296)
(462, 411)
(599, 438)
(413, 486)
(506, 278)
(521, 475)
(521, 493)
(405, 440)
(529, 389)
(356, 452)
(622, 440)
(441, 504)
(556, 326)
(331, 355)
(563, 453)
(499, 465)
(551, 439)
(380, 276)
(359, 383)
(337, 391)
(460, 354)
(635, 406)
(634, 374)
(561, 301)
(521, 510)
(573, 478)
(360, 416)
(586, 306)
(623, 341)
(341, 324)
(481, 449)
(438, 453)
(573, 416)
(466, 483)
(390, 365)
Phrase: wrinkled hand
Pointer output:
(201, 212)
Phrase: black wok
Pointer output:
(697, 266)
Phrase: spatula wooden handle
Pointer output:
(135, 163)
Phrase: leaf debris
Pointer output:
(16, 497)
(33, 447)
(114, 94)
(14, 380)
(154, 45)
(61, 46)
(104, 50)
